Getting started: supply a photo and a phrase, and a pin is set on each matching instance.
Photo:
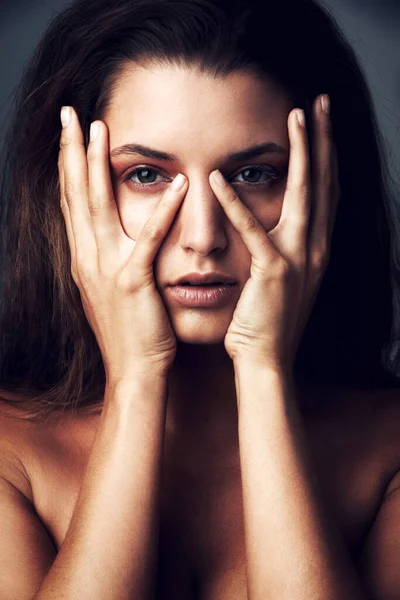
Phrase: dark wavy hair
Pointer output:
(50, 359)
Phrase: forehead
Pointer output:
(174, 103)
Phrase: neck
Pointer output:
(202, 416)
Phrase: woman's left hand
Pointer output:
(287, 262)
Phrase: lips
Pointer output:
(212, 283)
(212, 278)
(209, 295)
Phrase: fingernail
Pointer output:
(300, 117)
(219, 178)
(325, 103)
(178, 182)
(94, 129)
(65, 115)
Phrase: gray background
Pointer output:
(372, 27)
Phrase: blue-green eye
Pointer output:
(147, 175)
(269, 172)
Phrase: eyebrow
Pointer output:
(252, 152)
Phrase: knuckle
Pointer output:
(232, 197)
(95, 205)
(281, 269)
(85, 272)
(250, 223)
(325, 179)
(168, 202)
(302, 191)
(329, 178)
(320, 259)
(123, 282)
(127, 281)
(64, 210)
(63, 204)
(151, 232)
(65, 141)
(72, 189)
(69, 188)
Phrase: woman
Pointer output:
(161, 441)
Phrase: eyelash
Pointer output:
(272, 177)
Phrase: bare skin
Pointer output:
(353, 436)
(202, 239)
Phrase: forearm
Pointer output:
(293, 551)
(110, 547)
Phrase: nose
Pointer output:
(201, 223)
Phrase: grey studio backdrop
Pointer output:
(372, 26)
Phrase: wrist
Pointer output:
(253, 365)
(137, 388)
(256, 381)
(140, 374)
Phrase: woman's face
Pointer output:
(201, 121)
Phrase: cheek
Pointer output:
(267, 211)
(134, 212)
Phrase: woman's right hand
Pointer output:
(113, 272)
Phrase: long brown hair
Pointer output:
(50, 359)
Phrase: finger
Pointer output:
(140, 264)
(253, 234)
(67, 217)
(293, 223)
(324, 187)
(102, 207)
(76, 190)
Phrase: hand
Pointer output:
(287, 262)
(114, 273)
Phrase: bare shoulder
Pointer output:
(14, 432)
(27, 445)
(358, 429)
(386, 421)
(377, 563)
(387, 404)
(382, 415)
(372, 422)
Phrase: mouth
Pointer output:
(210, 279)
(210, 284)
(210, 294)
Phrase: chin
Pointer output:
(200, 340)
(201, 327)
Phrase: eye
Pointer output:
(147, 173)
(269, 172)
(144, 169)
